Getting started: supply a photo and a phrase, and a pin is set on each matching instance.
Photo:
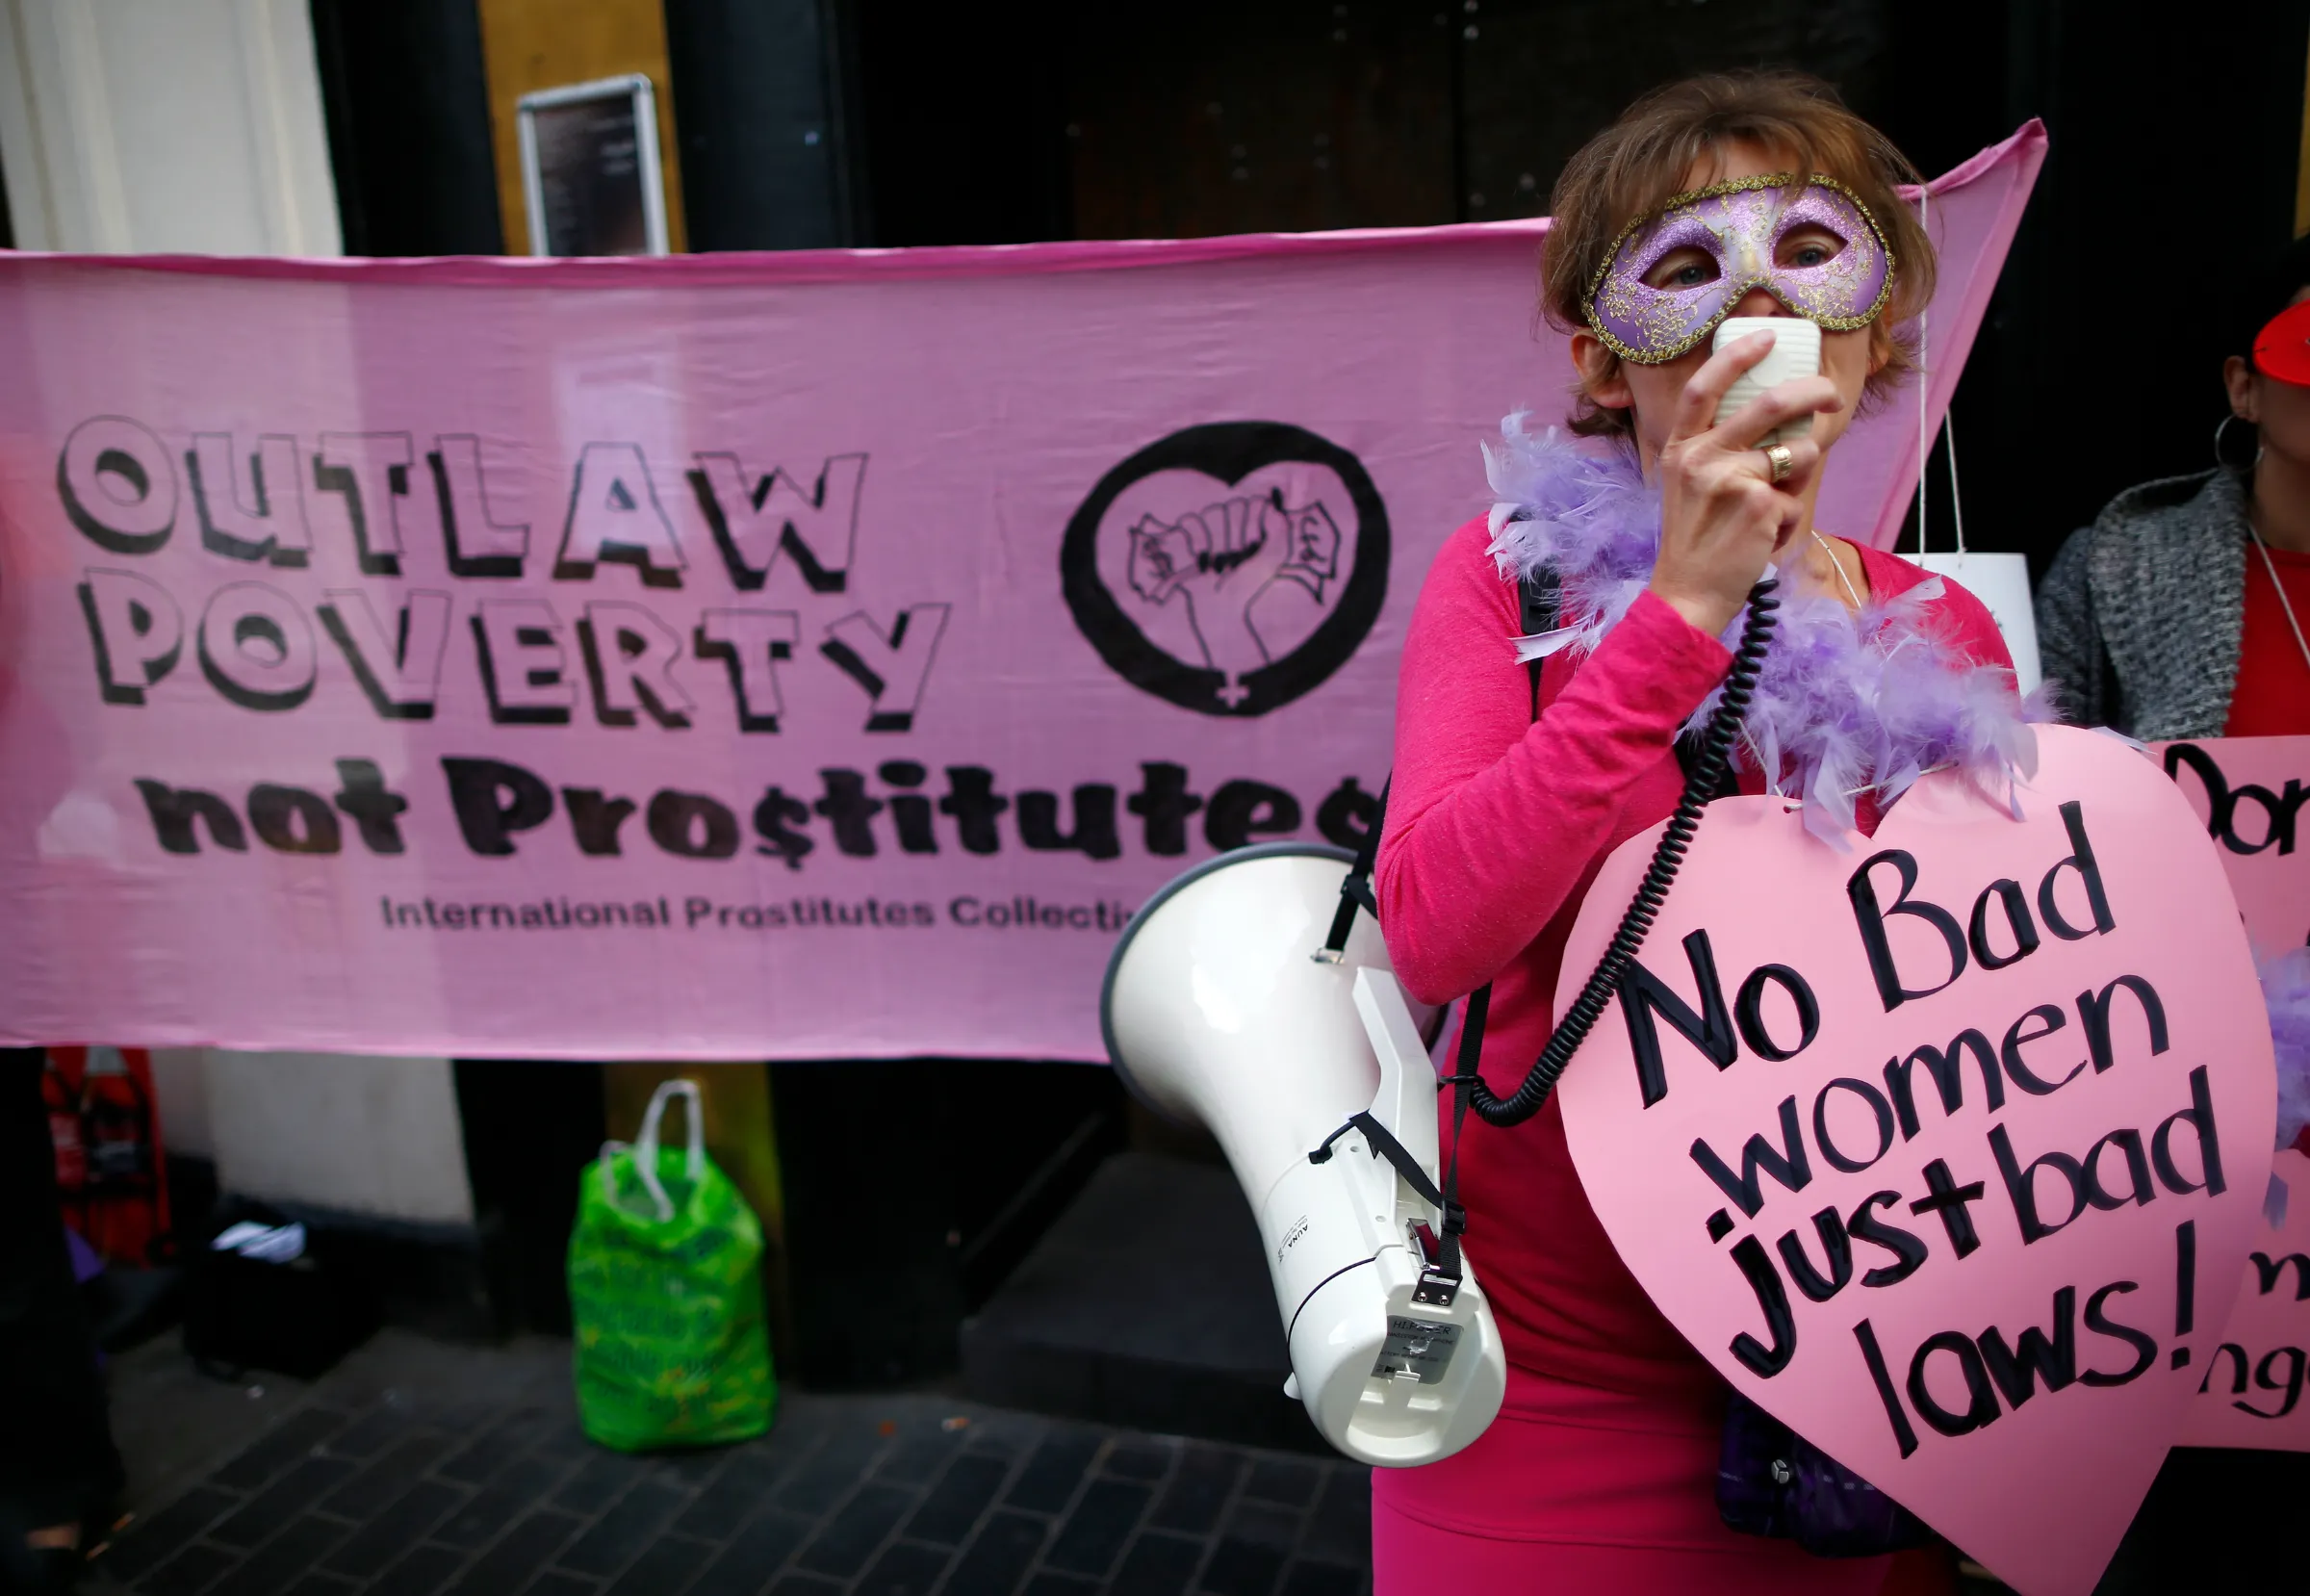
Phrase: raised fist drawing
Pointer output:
(1221, 559)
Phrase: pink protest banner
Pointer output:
(1944, 1149)
(797, 656)
(2249, 792)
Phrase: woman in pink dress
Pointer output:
(1749, 196)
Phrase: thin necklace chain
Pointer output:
(1852, 592)
(1838, 566)
(2284, 603)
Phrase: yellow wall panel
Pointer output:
(532, 44)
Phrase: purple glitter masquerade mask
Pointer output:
(1740, 225)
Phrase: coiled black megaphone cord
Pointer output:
(1440, 1280)
(1700, 784)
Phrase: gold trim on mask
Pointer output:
(1735, 185)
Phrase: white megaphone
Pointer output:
(1219, 1011)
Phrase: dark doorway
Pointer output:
(407, 109)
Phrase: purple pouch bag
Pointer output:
(1771, 1481)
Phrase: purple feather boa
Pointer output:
(2285, 988)
(1845, 704)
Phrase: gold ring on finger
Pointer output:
(1781, 462)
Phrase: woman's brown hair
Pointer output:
(1633, 167)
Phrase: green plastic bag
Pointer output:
(666, 1296)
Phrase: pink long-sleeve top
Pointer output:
(1497, 823)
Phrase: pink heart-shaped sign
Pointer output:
(1947, 1149)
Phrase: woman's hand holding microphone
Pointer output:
(1730, 504)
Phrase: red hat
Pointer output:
(2282, 349)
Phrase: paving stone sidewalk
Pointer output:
(403, 1479)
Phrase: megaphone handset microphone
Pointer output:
(1216, 1009)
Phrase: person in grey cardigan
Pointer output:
(2177, 615)
(2144, 619)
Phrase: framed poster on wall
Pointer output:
(590, 171)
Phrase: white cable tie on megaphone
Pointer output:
(1541, 645)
